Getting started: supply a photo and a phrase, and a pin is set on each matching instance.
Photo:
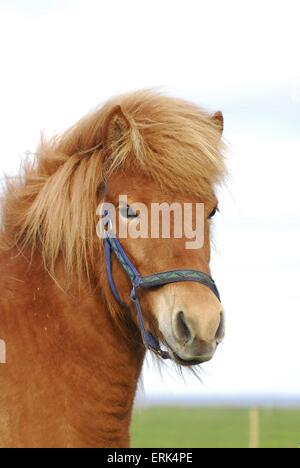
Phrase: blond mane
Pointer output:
(51, 205)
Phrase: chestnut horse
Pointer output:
(73, 354)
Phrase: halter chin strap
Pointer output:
(112, 244)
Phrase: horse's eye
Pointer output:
(213, 212)
(127, 212)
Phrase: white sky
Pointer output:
(61, 58)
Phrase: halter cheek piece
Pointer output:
(112, 244)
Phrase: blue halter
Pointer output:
(112, 244)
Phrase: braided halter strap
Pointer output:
(112, 244)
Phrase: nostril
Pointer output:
(182, 329)
(221, 329)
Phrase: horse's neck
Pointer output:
(70, 377)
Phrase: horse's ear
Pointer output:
(114, 128)
(218, 119)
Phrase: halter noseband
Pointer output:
(112, 244)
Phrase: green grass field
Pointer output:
(213, 428)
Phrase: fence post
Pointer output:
(254, 435)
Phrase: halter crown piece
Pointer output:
(138, 282)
